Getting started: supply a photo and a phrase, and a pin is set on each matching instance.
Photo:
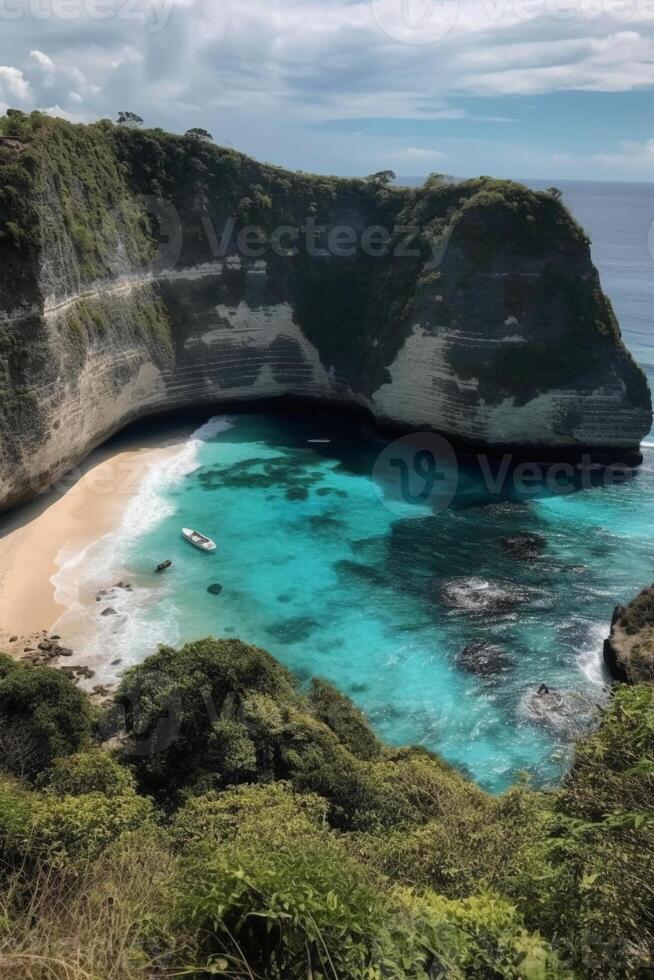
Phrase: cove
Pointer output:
(317, 565)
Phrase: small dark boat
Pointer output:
(164, 565)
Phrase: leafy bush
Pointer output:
(56, 830)
(248, 812)
(42, 716)
(302, 908)
(94, 771)
(292, 912)
(219, 712)
(344, 719)
(186, 714)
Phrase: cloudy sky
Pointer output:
(522, 88)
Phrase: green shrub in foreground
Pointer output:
(42, 716)
(305, 910)
(94, 771)
(57, 830)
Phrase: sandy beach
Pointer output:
(83, 507)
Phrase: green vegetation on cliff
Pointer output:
(241, 827)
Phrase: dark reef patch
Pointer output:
(293, 630)
(525, 546)
(484, 659)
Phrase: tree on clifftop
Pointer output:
(199, 134)
(129, 119)
(382, 177)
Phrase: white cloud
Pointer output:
(632, 156)
(42, 60)
(56, 110)
(258, 74)
(418, 154)
(13, 84)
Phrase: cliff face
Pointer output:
(629, 649)
(129, 284)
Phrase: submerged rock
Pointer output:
(483, 658)
(629, 648)
(215, 588)
(525, 545)
(297, 493)
(292, 630)
(483, 596)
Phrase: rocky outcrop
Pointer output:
(525, 546)
(629, 649)
(569, 713)
(484, 659)
(141, 272)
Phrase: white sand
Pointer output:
(78, 511)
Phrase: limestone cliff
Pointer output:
(128, 286)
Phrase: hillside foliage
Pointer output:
(236, 825)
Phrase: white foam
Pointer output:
(591, 659)
(148, 507)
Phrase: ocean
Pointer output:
(322, 563)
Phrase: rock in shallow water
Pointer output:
(483, 658)
(569, 713)
(484, 596)
(525, 545)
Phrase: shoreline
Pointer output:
(37, 539)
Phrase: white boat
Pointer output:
(200, 541)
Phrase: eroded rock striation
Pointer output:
(128, 285)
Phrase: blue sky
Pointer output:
(521, 88)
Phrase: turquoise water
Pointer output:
(327, 569)
(336, 574)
